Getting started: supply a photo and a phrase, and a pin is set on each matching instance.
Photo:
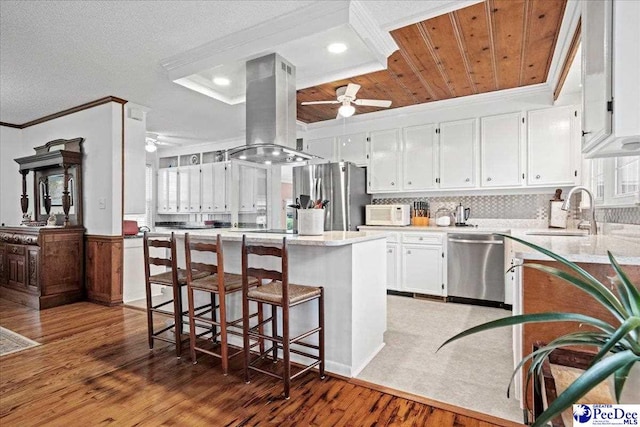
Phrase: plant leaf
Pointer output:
(589, 379)
(632, 292)
(573, 266)
(608, 300)
(619, 378)
(533, 318)
(629, 325)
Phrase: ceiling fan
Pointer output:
(152, 141)
(346, 95)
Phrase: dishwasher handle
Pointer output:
(484, 242)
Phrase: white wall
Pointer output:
(135, 126)
(10, 179)
(101, 127)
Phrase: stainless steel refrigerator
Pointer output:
(343, 184)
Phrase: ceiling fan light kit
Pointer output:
(346, 95)
(346, 110)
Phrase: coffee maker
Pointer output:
(462, 215)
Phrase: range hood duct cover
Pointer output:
(270, 112)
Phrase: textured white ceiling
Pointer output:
(59, 54)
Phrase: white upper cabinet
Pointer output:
(500, 150)
(353, 148)
(168, 190)
(596, 71)
(457, 154)
(189, 189)
(247, 189)
(550, 141)
(419, 154)
(610, 88)
(214, 187)
(323, 148)
(384, 173)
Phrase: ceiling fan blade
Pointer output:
(319, 102)
(373, 102)
(351, 91)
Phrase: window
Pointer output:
(597, 179)
(627, 175)
(148, 196)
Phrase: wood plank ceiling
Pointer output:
(489, 46)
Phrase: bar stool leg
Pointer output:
(192, 325)
(286, 355)
(274, 331)
(214, 328)
(177, 319)
(245, 337)
(149, 315)
(321, 332)
(261, 327)
(224, 351)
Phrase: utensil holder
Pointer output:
(310, 222)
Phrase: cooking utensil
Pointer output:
(304, 201)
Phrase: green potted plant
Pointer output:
(618, 345)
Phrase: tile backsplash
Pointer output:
(514, 206)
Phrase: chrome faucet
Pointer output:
(593, 227)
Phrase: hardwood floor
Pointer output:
(95, 368)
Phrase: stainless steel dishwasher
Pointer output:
(475, 267)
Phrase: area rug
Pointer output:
(10, 342)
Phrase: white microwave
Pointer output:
(387, 215)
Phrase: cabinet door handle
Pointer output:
(409, 183)
(389, 251)
(489, 179)
(467, 180)
(420, 238)
(586, 133)
(393, 183)
(408, 252)
(537, 176)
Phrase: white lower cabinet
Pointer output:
(422, 269)
(393, 263)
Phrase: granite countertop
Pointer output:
(328, 238)
(589, 249)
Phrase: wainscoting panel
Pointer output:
(104, 269)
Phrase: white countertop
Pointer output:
(328, 238)
(588, 249)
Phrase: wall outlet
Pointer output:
(102, 203)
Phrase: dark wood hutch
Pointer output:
(42, 260)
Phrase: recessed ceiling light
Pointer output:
(267, 162)
(276, 153)
(242, 157)
(337, 47)
(221, 81)
(299, 159)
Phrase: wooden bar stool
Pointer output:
(278, 293)
(217, 284)
(175, 278)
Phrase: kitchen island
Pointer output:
(352, 268)
(535, 291)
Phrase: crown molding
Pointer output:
(10, 125)
(259, 39)
(378, 41)
(568, 27)
(68, 111)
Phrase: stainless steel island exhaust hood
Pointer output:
(270, 113)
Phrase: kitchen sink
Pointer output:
(557, 233)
